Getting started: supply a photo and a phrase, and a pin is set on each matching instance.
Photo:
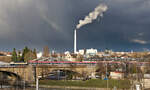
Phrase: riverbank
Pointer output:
(96, 84)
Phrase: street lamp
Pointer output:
(37, 82)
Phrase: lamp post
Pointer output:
(37, 82)
(24, 81)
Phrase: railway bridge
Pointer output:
(30, 72)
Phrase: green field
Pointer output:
(98, 83)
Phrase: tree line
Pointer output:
(24, 55)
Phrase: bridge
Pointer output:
(30, 72)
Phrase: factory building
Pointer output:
(88, 51)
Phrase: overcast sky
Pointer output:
(125, 25)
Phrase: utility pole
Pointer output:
(106, 55)
(106, 76)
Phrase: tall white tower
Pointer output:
(75, 41)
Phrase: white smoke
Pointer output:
(98, 11)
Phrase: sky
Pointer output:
(38, 23)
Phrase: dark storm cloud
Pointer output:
(36, 23)
(31, 22)
(121, 26)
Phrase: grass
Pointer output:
(89, 83)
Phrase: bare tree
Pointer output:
(101, 69)
(46, 51)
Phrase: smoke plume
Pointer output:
(98, 11)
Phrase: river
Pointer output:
(33, 88)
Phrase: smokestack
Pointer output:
(75, 41)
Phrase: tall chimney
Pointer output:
(75, 41)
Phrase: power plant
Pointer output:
(98, 11)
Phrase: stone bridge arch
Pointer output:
(23, 72)
(10, 78)
(16, 76)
